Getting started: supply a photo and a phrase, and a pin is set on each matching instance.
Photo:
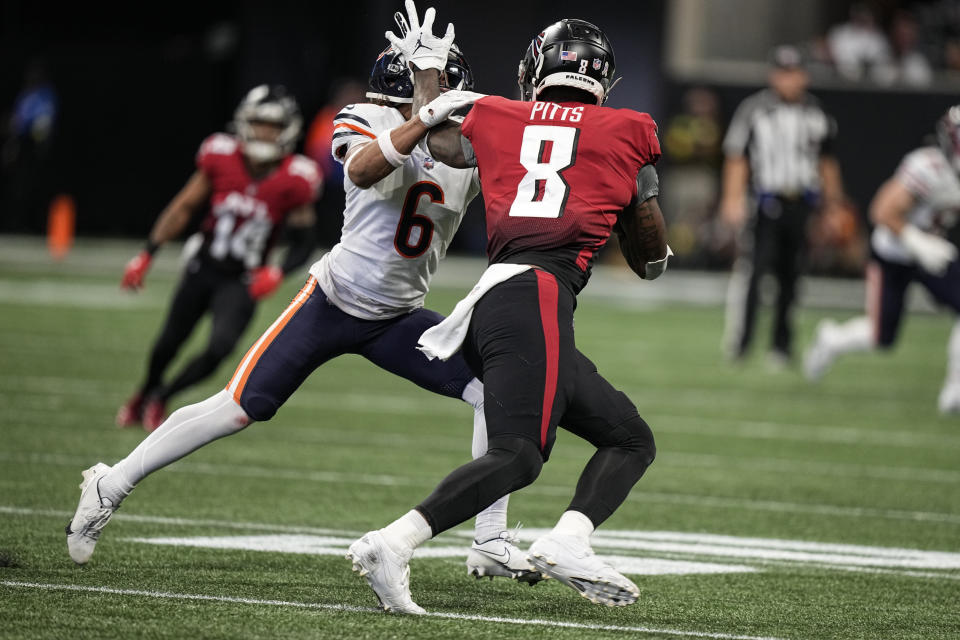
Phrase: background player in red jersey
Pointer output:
(249, 184)
(559, 174)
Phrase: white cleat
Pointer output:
(387, 573)
(819, 356)
(949, 400)
(570, 560)
(500, 557)
(93, 513)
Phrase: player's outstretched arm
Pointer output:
(171, 223)
(643, 238)
(374, 161)
(175, 218)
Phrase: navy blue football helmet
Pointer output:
(392, 81)
(569, 53)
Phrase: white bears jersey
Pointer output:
(927, 174)
(394, 233)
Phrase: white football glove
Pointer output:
(932, 252)
(655, 269)
(418, 46)
(440, 108)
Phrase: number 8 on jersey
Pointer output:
(546, 152)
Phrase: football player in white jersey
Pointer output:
(364, 297)
(912, 212)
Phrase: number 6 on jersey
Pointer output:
(546, 152)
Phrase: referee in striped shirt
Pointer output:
(779, 167)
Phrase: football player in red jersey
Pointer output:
(560, 172)
(249, 184)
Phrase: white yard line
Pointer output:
(675, 554)
(667, 545)
(809, 467)
(384, 480)
(799, 432)
(186, 522)
(337, 546)
(614, 284)
(59, 293)
(422, 404)
(353, 609)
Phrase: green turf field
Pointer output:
(775, 509)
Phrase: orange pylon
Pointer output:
(61, 222)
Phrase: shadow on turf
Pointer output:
(7, 560)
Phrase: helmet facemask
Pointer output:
(457, 75)
(271, 105)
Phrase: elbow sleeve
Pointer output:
(648, 184)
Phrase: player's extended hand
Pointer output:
(440, 108)
(932, 252)
(417, 44)
(264, 281)
(135, 271)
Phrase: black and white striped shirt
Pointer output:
(783, 141)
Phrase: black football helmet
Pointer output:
(268, 103)
(392, 81)
(457, 74)
(568, 53)
(948, 136)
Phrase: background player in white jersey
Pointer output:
(364, 297)
(912, 212)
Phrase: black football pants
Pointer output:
(521, 345)
(201, 289)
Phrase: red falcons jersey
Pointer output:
(245, 214)
(555, 177)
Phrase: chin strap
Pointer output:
(612, 85)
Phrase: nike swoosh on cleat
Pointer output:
(505, 555)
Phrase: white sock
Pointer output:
(492, 521)
(852, 335)
(407, 532)
(186, 430)
(473, 395)
(953, 355)
(574, 523)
